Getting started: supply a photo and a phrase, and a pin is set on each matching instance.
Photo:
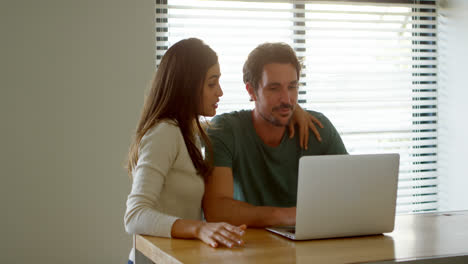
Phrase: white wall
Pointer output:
(73, 77)
(453, 105)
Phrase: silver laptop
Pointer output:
(344, 195)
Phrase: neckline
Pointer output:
(257, 137)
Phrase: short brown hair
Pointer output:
(267, 53)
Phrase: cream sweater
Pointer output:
(165, 186)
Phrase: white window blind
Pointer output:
(370, 66)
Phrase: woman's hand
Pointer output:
(214, 234)
(305, 121)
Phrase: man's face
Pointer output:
(276, 96)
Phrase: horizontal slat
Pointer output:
(340, 84)
(367, 104)
(323, 3)
(417, 191)
(263, 9)
(376, 148)
(317, 87)
(416, 199)
(354, 65)
(420, 174)
(352, 95)
(348, 3)
(334, 108)
(344, 52)
(382, 118)
(331, 77)
(276, 20)
(410, 208)
(386, 135)
(413, 159)
(402, 151)
(352, 126)
(262, 36)
(417, 183)
(413, 167)
(253, 27)
(391, 145)
(335, 65)
(241, 44)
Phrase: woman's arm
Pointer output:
(158, 150)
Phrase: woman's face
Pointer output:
(211, 91)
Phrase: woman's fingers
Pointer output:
(291, 129)
(315, 131)
(214, 234)
(231, 236)
(305, 137)
(313, 120)
(208, 240)
(228, 242)
(316, 121)
(238, 230)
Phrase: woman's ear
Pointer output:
(251, 92)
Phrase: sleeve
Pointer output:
(158, 151)
(221, 136)
(332, 142)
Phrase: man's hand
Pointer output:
(286, 215)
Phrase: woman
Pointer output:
(165, 160)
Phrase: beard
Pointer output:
(272, 120)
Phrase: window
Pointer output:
(370, 66)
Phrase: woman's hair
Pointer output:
(264, 54)
(176, 94)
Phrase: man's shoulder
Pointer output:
(319, 115)
(231, 117)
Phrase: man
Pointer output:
(254, 180)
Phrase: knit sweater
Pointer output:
(165, 186)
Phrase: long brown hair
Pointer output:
(176, 94)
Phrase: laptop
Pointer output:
(344, 195)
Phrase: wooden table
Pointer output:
(415, 236)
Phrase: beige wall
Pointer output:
(73, 76)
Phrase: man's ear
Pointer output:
(251, 91)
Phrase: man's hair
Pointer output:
(267, 53)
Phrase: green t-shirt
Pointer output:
(264, 175)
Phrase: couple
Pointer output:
(249, 174)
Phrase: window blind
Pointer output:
(370, 66)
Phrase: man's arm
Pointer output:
(219, 204)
